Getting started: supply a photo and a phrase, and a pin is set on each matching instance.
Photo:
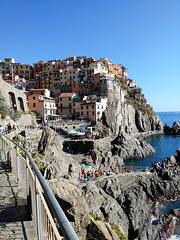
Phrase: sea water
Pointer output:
(169, 118)
(165, 146)
(165, 207)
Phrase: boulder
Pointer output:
(57, 162)
(71, 199)
(129, 147)
(174, 130)
(99, 230)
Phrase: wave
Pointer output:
(174, 237)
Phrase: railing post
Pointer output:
(37, 207)
(27, 176)
(5, 150)
(17, 164)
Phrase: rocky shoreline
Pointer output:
(126, 200)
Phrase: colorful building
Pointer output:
(41, 102)
(65, 103)
(93, 108)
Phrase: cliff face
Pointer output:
(120, 115)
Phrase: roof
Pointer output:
(42, 61)
(67, 94)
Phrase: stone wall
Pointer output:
(14, 98)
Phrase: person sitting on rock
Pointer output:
(85, 176)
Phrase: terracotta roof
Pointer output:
(66, 94)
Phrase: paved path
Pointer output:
(15, 221)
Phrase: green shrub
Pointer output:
(3, 115)
(14, 115)
(115, 227)
(23, 154)
(39, 164)
(3, 107)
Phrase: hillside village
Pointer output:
(77, 87)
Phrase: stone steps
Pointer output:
(17, 230)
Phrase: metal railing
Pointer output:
(46, 212)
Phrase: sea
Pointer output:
(165, 146)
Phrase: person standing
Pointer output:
(1, 131)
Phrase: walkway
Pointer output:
(15, 221)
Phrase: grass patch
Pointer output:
(114, 227)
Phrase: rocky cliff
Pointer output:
(130, 116)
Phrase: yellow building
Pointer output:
(65, 103)
(22, 70)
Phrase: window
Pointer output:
(87, 113)
(81, 107)
(60, 99)
(92, 112)
(87, 107)
(102, 107)
(92, 106)
(69, 99)
(70, 110)
(74, 104)
(81, 113)
(61, 105)
(34, 105)
(98, 113)
(50, 111)
(34, 97)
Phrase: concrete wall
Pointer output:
(14, 98)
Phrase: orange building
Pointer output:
(41, 102)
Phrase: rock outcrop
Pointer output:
(120, 116)
(71, 199)
(125, 200)
(102, 156)
(101, 231)
(57, 162)
(174, 130)
(129, 147)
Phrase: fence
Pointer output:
(46, 212)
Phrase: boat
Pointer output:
(80, 135)
(72, 132)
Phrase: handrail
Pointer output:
(65, 225)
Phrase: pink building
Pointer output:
(93, 109)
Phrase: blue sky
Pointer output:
(143, 35)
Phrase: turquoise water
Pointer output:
(165, 145)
